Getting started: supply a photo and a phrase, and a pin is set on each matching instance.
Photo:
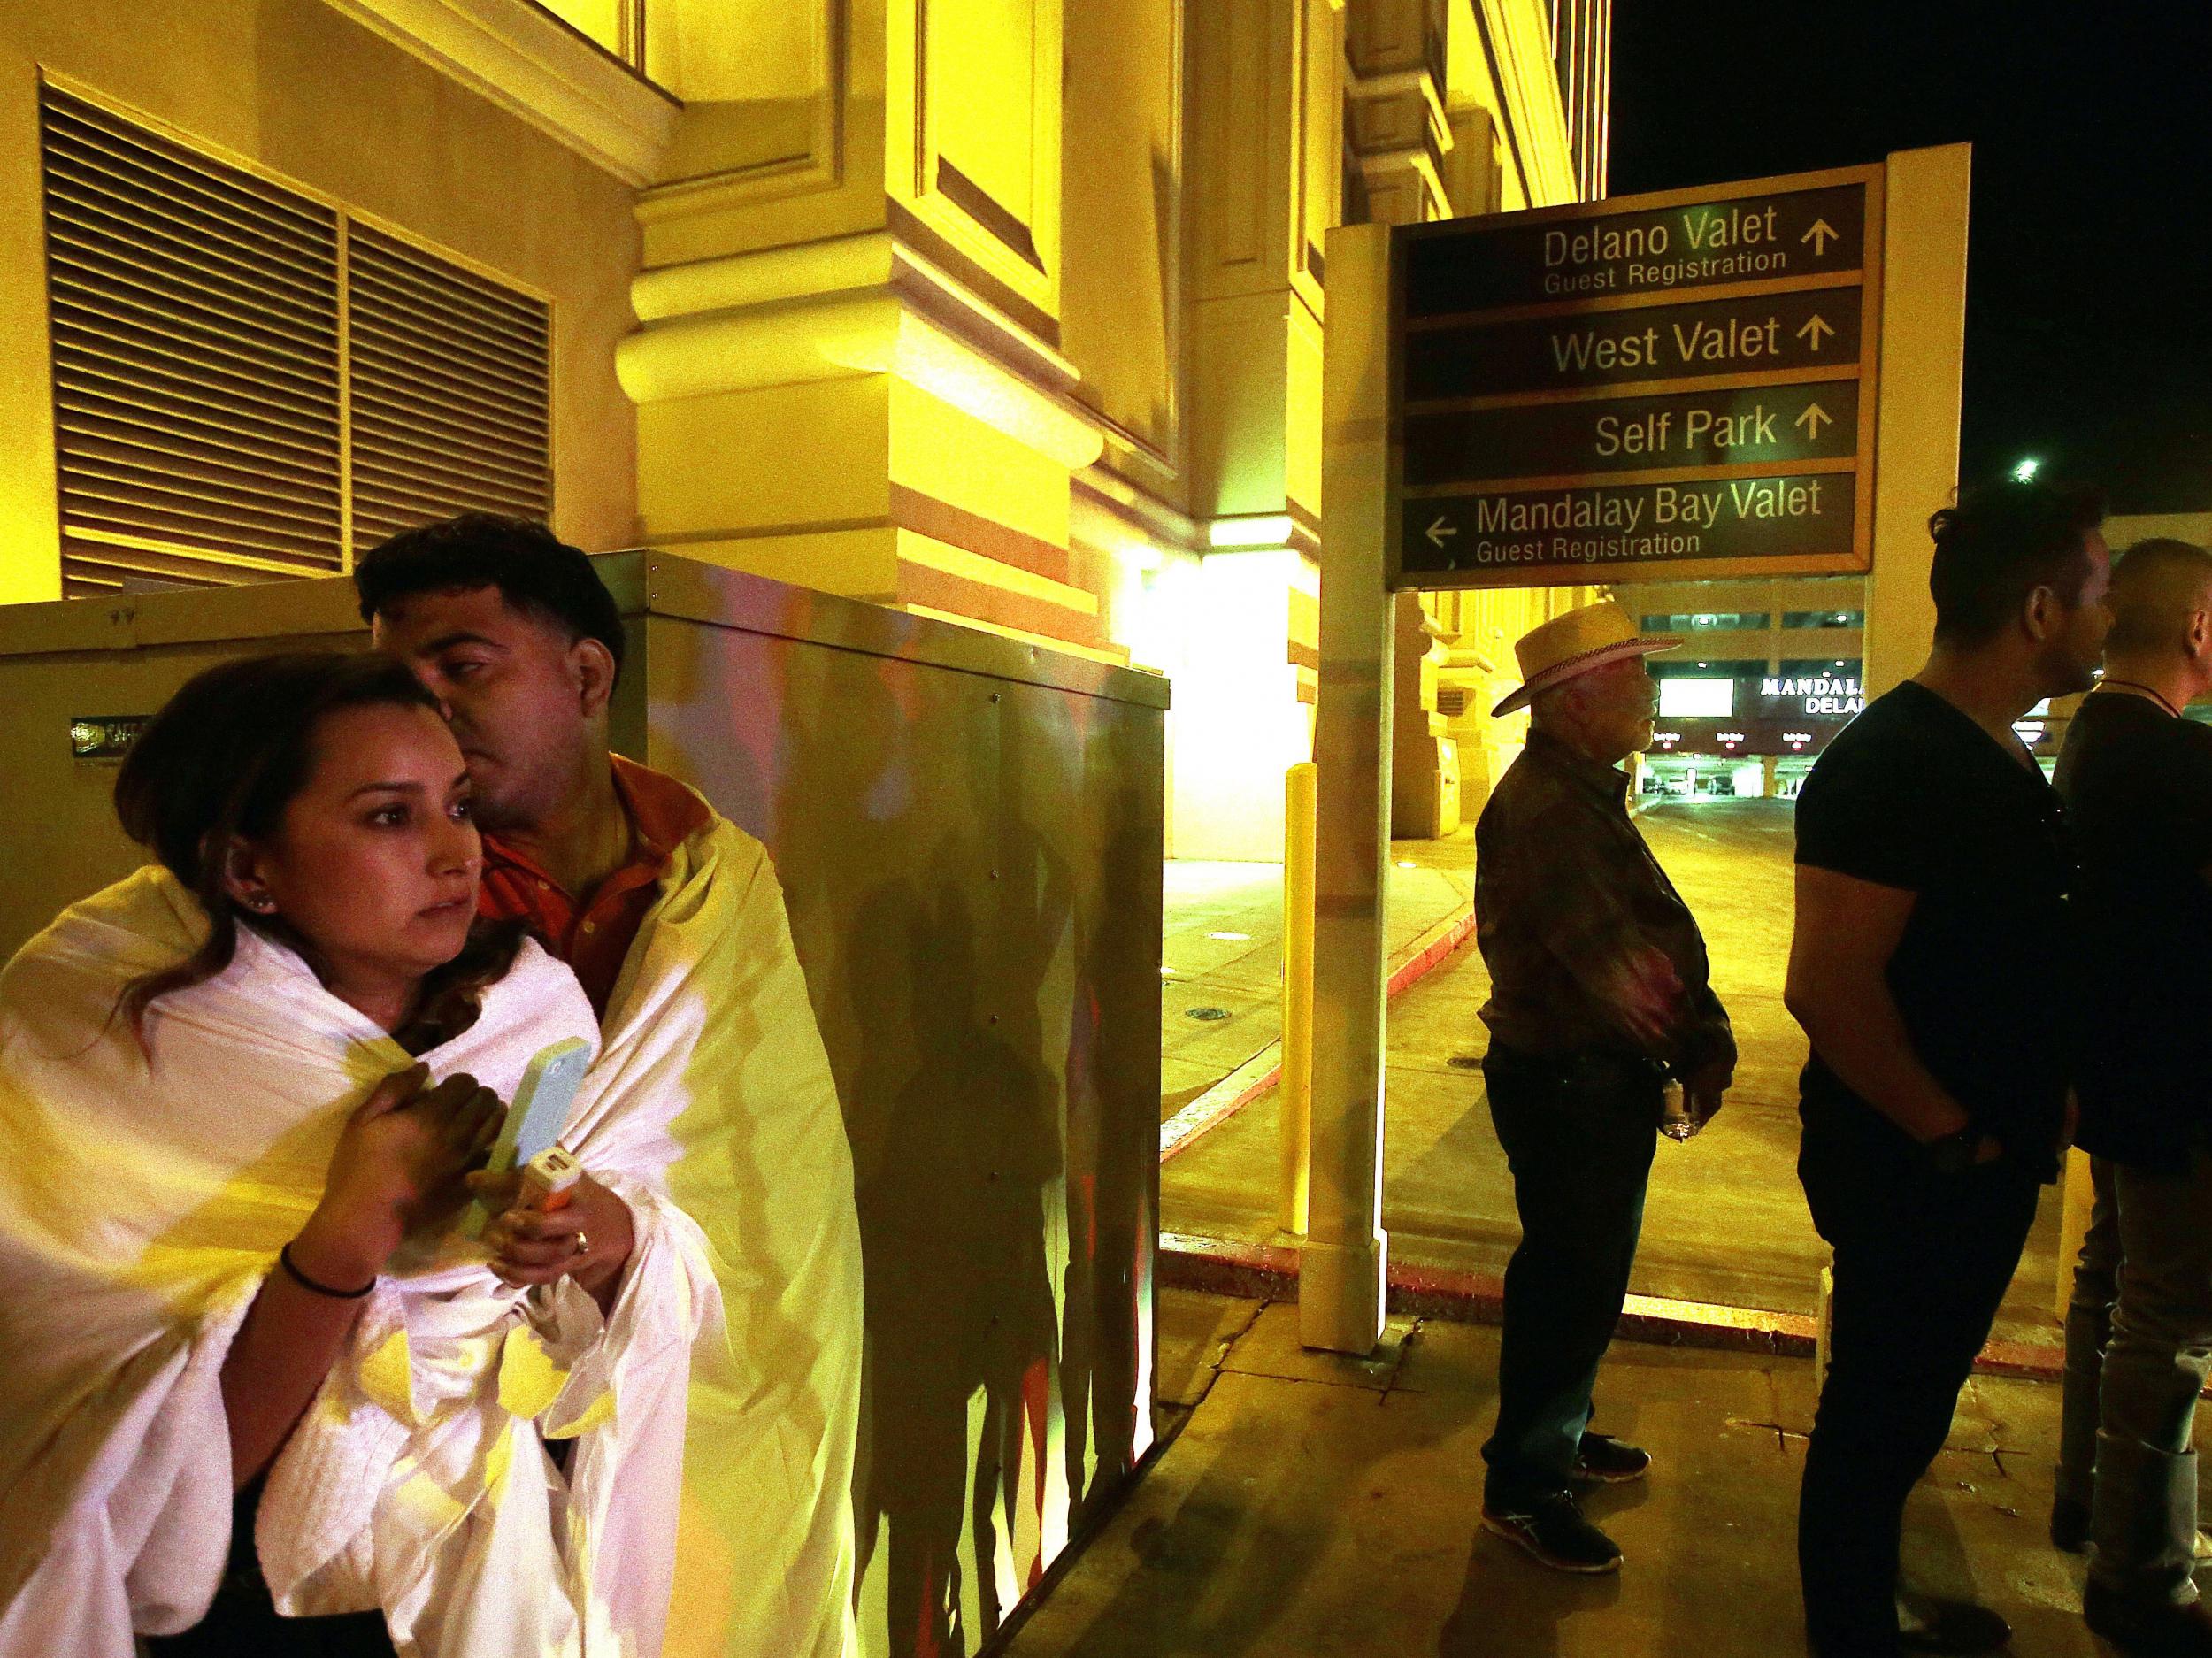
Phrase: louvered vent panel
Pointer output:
(450, 381)
(195, 318)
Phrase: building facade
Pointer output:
(1008, 311)
(1765, 672)
(1004, 311)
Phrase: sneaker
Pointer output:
(1609, 1461)
(1925, 1624)
(2153, 1630)
(2069, 1525)
(1551, 1528)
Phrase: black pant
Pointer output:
(1922, 1262)
(1578, 1132)
(243, 1621)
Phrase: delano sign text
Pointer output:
(1668, 387)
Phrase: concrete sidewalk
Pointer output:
(1318, 1507)
(1221, 954)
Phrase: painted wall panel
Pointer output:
(969, 839)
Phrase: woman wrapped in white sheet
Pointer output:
(262, 1393)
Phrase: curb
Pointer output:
(1253, 1077)
(1210, 1109)
(1231, 1266)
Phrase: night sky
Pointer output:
(2089, 288)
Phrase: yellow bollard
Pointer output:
(1296, 1092)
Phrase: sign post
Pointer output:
(1343, 1263)
(1672, 387)
(1677, 386)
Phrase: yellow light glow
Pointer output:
(1266, 530)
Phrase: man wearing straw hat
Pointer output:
(1600, 996)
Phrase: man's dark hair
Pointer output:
(2001, 542)
(534, 570)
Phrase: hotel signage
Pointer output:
(1765, 714)
(1669, 386)
(1834, 695)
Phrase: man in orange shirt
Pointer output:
(518, 637)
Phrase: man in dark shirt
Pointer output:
(1599, 994)
(2136, 779)
(1934, 968)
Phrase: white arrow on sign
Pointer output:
(1818, 236)
(1438, 530)
(1814, 417)
(1816, 328)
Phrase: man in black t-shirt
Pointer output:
(2136, 779)
(1933, 966)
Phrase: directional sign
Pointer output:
(1748, 233)
(1734, 427)
(1667, 387)
(1717, 339)
(1505, 532)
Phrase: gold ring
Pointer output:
(583, 1244)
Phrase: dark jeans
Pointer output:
(2088, 1330)
(243, 1621)
(1578, 1134)
(1922, 1262)
(2145, 1511)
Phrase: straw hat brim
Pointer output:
(1560, 672)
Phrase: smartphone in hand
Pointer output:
(535, 1116)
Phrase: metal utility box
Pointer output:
(968, 830)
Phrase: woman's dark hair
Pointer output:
(220, 762)
(535, 571)
(2001, 542)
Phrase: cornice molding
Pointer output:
(530, 64)
(1534, 116)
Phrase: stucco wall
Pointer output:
(298, 88)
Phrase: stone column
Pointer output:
(848, 366)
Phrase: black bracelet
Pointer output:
(284, 1259)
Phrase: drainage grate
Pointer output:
(1205, 1013)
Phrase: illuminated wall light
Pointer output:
(1266, 530)
(1231, 938)
(1408, 864)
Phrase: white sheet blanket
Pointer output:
(142, 1207)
